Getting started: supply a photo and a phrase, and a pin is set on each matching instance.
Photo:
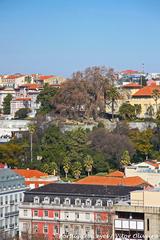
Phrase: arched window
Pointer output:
(57, 201)
(99, 203)
(88, 202)
(36, 199)
(78, 202)
(67, 201)
(46, 200)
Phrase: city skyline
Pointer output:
(60, 37)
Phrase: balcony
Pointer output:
(12, 202)
(11, 226)
(10, 214)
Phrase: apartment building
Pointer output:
(35, 178)
(138, 219)
(11, 195)
(70, 211)
(26, 97)
(149, 171)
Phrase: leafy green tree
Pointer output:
(125, 159)
(138, 109)
(45, 99)
(7, 104)
(156, 96)
(22, 113)
(77, 169)
(150, 112)
(66, 166)
(142, 142)
(88, 163)
(11, 153)
(127, 111)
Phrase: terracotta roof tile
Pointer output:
(31, 86)
(128, 181)
(146, 91)
(23, 99)
(29, 173)
(116, 174)
(132, 85)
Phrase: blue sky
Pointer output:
(63, 36)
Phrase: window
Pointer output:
(36, 200)
(25, 227)
(56, 215)
(36, 213)
(67, 201)
(98, 231)
(66, 215)
(87, 231)
(87, 216)
(77, 215)
(57, 201)
(45, 213)
(88, 202)
(56, 230)
(25, 212)
(6, 199)
(47, 200)
(98, 217)
(98, 203)
(45, 229)
(77, 202)
(66, 229)
(35, 228)
(147, 224)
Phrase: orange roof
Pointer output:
(146, 91)
(128, 181)
(153, 163)
(116, 174)
(132, 85)
(29, 173)
(31, 86)
(23, 99)
(14, 76)
(43, 77)
(128, 72)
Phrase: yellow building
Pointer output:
(144, 96)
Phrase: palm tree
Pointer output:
(66, 166)
(156, 96)
(52, 168)
(113, 95)
(77, 168)
(45, 168)
(88, 163)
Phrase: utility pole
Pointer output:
(31, 131)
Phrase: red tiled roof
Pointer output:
(43, 77)
(128, 181)
(14, 76)
(23, 99)
(31, 86)
(132, 85)
(116, 174)
(146, 91)
(29, 173)
(152, 163)
(128, 72)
